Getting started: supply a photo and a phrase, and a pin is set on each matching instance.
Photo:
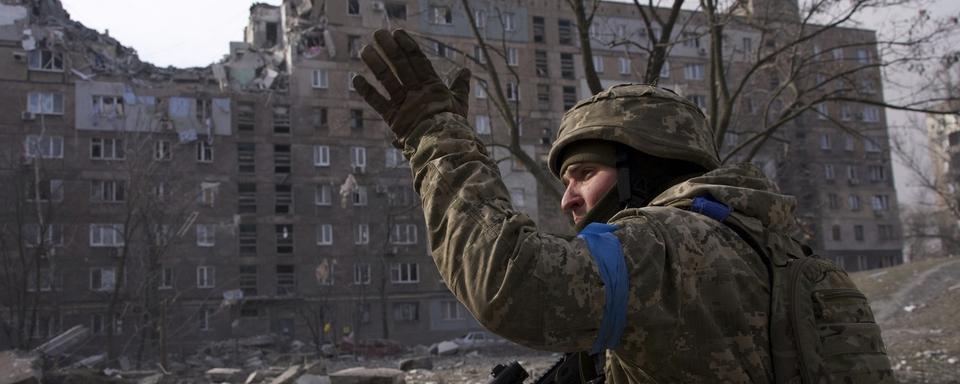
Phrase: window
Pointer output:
(598, 64)
(513, 91)
(204, 319)
(566, 66)
(204, 110)
(564, 32)
(513, 57)
(319, 119)
(837, 235)
(845, 114)
(878, 173)
(822, 111)
(50, 236)
(871, 114)
(870, 145)
(206, 235)
(406, 311)
(287, 279)
(247, 280)
(281, 119)
(106, 235)
(624, 66)
(848, 143)
(828, 172)
(863, 56)
(747, 45)
(362, 234)
(108, 191)
(483, 125)
(539, 30)
(44, 60)
(543, 96)
(246, 158)
(96, 324)
(206, 277)
(166, 278)
(441, 15)
(698, 100)
(110, 107)
(480, 17)
(451, 310)
(360, 196)
(322, 195)
(478, 54)
(247, 238)
(867, 86)
(356, 119)
(833, 201)
(321, 79)
(103, 279)
(106, 149)
(858, 232)
(45, 103)
(204, 151)
(396, 10)
(825, 142)
(208, 193)
(394, 158)
(443, 50)
(404, 234)
(353, 7)
(404, 273)
(693, 71)
(358, 159)
(283, 198)
(246, 116)
(480, 91)
(325, 234)
(569, 97)
(853, 174)
(361, 274)
(665, 70)
(246, 198)
(281, 158)
(284, 238)
(508, 24)
(45, 190)
(854, 202)
(44, 147)
(161, 150)
(885, 232)
(517, 196)
(838, 54)
(353, 46)
(321, 155)
(880, 203)
(540, 60)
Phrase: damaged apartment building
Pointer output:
(166, 207)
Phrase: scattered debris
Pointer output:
(444, 348)
(425, 362)
(63, 342)
(910, 308)
(362, 375)
(289, 375)
(19, 369)
(224, 374)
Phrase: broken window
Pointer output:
(248, 280)
(45, 190)
(569, 97)
(281, 158)
(108, 106)
(566, 66)
(564, 32)
(284, 238)
(246, 158)
(106, 235)
(353, 7)
(46, 103)
(44, 60)
(281, 119)
(286, 280)
(540, 58)
(248, 238)
(441, 15)
(106, 149)
(246, 116)
(204, 110)
(539, 30)
(284, 199)
(353, 46)
(247, 198)
(50, 235)
(406, 312)
(103, 279)
(360, 196)
(272, 34)
(319, 118)
(396, 10)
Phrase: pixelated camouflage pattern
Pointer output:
(649, 119)
(699, 294)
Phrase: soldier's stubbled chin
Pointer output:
(603, 211)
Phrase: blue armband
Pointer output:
(608, 255)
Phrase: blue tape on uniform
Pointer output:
(706, 205)
(608, 254)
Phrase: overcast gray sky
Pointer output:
(186, 33)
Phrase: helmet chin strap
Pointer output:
(624, 188)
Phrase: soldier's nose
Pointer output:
(571, 200)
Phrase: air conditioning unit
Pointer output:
(359, 169)
(19, 55)
(28, 116)
(377, 6)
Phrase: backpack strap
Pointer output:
(608, 256)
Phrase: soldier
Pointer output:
(655, 280)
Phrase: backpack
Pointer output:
(822, 329)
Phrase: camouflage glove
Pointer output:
(416, 91)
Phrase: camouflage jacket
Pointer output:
(699, 294)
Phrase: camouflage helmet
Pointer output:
(649, 119)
